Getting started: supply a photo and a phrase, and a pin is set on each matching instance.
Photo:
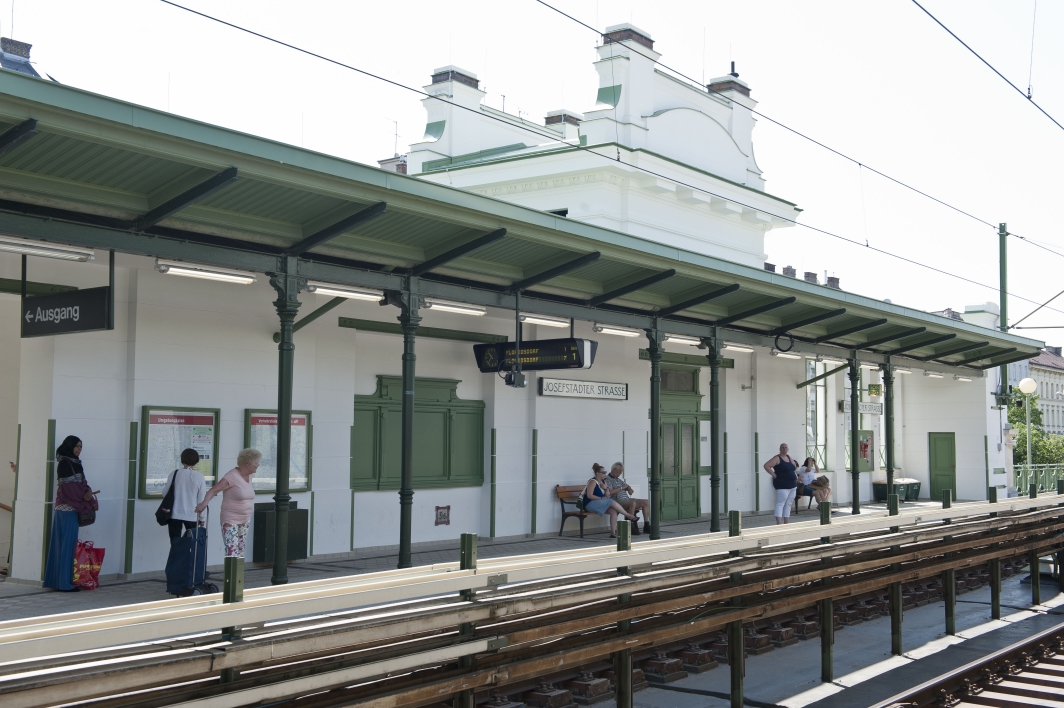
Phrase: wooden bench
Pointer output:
(570, 496)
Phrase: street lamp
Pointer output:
(1027, 387)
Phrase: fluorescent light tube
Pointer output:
(193, 270)
(933, 375)
(683, 339)
(738, 348)
(459, 307)
(348, 291)
(784, 355)
(962, 378)
(836, 362)
(617, 331)
(545, 320)
(899, 370)
(866, 365)
(9, 244)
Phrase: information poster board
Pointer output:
(165, 432)
(260, 432)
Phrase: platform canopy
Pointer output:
(83, 169)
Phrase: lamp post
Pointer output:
(1027, 387)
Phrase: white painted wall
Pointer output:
(9, 377)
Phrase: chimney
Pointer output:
(833, 282)
(731, 82)
(394, 164)
(810, 277)
(1054, 350)
(790, 272)
(15, 56)
(770, 267)
(619, 33)
(454, 73)
(565, 122)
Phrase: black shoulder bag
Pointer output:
(166, 506)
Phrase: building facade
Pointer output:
(1047, 369)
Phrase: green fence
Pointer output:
(1045, 476)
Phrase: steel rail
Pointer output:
(38, 637)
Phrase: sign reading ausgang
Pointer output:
(865, 408)
(583, 389)
(65, 313)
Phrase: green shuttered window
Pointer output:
(448, 436)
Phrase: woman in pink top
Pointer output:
(238, 501)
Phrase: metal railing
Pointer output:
(1045, 476)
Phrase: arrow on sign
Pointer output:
(29, 315)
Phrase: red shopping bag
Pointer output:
(87, 562)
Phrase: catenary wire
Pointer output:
(554, 137)
(814, 140)
(989, 65)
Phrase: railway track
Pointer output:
(514, 627)
(1027, 673)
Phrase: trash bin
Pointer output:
(908, 489)
(262, 542)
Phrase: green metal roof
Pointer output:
(99, 163)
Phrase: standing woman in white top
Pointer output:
(189, 490)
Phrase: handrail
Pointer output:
(86, 630)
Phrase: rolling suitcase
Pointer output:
(186, 566)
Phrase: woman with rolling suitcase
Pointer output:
(186, 565)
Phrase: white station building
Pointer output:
(665, 233)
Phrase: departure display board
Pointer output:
(536, 355)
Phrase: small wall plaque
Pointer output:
(443, 516)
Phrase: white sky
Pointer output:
(878, 81)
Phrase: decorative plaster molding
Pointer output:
(554, 183)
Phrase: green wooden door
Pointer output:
(942, 451)
(679, 467)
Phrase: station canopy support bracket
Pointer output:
(186, 199)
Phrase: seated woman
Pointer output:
(598, 498)
(809, 483)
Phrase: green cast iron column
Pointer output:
(714, 432)
(888, 413)
(855, 442)
(535, 476)
(1003, 300)
(655, 350)
(287, 284)
(409, 302)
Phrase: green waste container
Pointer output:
(263, 541)
(908, 489)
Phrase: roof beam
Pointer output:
(341, 226)
(950, 352)
(977, 357)
(458, 252)
(775, 305)
(186, 199)
(849, 330)
(920, 345)
(808, 321)
(904, 334)
(13, 137)
(994, 363)
(555, 271)
(719, 292)
(632, 287)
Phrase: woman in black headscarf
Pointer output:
(73, 496)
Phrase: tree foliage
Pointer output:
(1045, 449)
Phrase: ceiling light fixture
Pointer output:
(962, 378)
(784, 355)
(545, 320)
(615, 330)
(193, 270)
(868, 365)
(836, 362)
(899, 370)
(684, 339)
(350, 292)
(738, 348)
(459, 307)
(9, 244)
(933, 375)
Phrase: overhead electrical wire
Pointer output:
(816, 142)
(554, 138)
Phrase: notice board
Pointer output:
(165, 432)
(260, 432)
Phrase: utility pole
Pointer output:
(1003, 301)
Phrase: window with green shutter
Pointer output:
(448, 436)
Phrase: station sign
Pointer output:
(574, 388)
(866, 408)
(66, 313)
(536, 355)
